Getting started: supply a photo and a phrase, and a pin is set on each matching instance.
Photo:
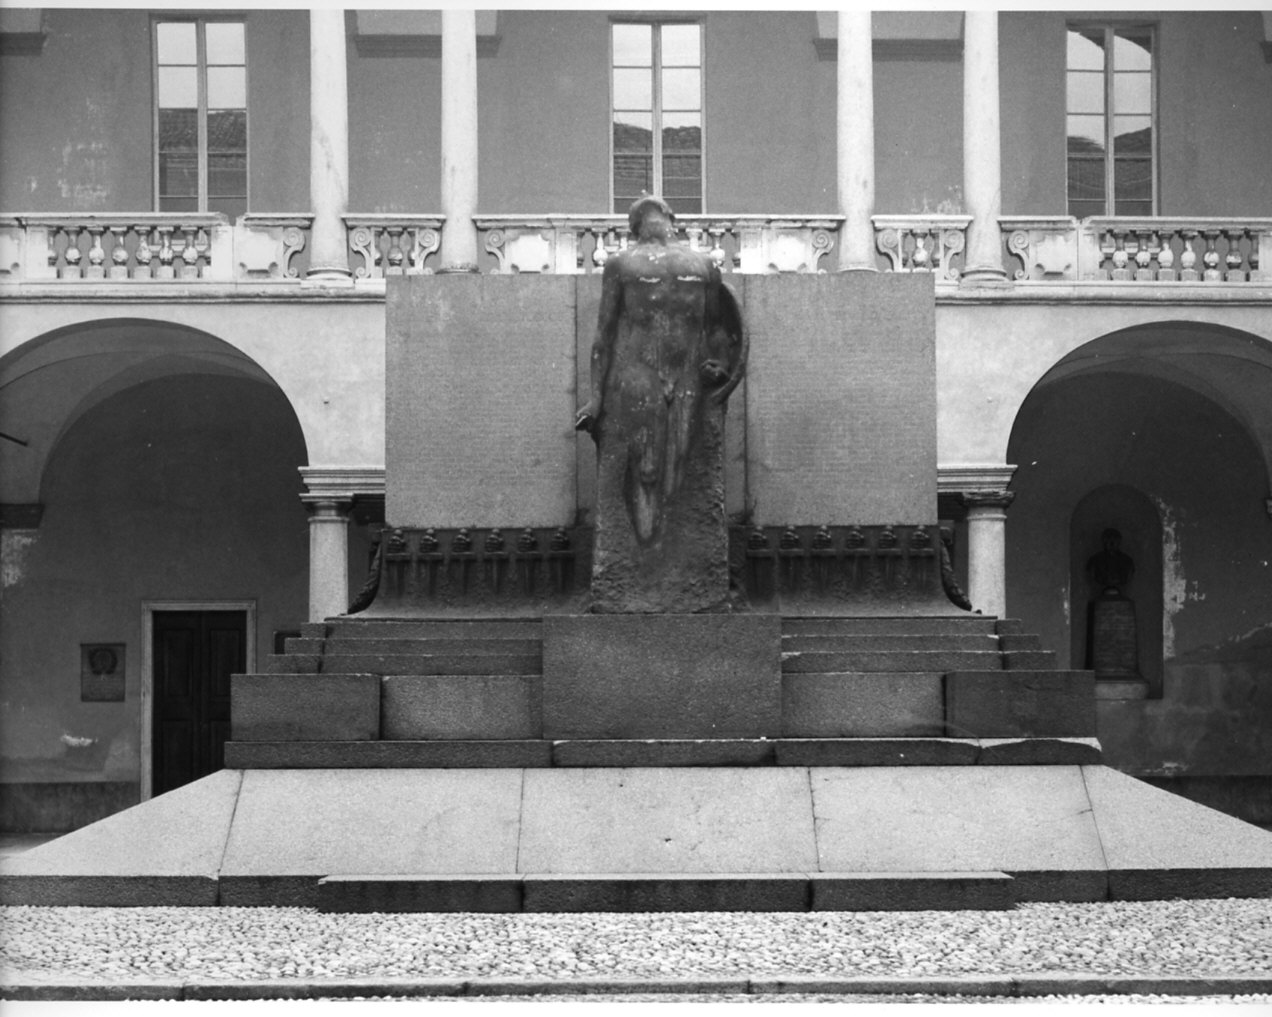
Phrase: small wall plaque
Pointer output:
(101, 672)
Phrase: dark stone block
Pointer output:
(492, 706)
(108, 891)
(1028, 660)
(96, 991)
(863, 705)
(1009, 626)
(912, 661)
(666, 892)
(876, 752)
(293, 663)
(661, 676)
(1015, 704)
(387, 755)
(664, 752)
(43, 807)
(1061, 885)
(1012, 642)
(912, 891)
(432, 663)
(1039, 751)
(268, 891)
(447, 893)
(1189, 884)
(315, 707)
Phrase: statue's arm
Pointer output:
(727, 338)
(602, 345)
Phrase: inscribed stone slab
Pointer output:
(841, 398)
(331, 822)
(740, 820)
(480, 394)
(954, 818)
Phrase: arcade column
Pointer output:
(855, 139)
(459, 140)
(987, 550)
(328, 146)
(982, 166)
(328, 555)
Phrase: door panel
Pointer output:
(195, 652)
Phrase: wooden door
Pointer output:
(195, 652)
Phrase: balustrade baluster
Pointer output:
(96, 255)
(1148, 248)
(1188, 258)
(189, 268)
(1108, 247)
(921, 257)
(1166, 259)
(119, 252)
(1211, 258)
(73, 256)
(395, 256)
(1235, 260)
(167, 254)
(143, 254)
(717, 247)
(1121, 256)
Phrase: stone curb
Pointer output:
(344, 988)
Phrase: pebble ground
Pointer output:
(111, 945)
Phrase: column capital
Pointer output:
(988, 499)
(342, 483)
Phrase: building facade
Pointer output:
(199, 213)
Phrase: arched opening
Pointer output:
(1163, 432)
(158, 475)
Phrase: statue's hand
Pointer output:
(713, 372)
(585, 418)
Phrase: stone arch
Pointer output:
(152, 464)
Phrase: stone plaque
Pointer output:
(1113, 637)
(101, 672)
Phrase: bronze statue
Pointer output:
(669, 350)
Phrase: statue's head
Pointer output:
(1111, 539)
(642, 207)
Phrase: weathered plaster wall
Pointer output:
(1204, 472)
(86, 143)
(183, 488)
(328, 358)
(990, 355)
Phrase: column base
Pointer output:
(328, 276)
(983, 276)
(463, 268)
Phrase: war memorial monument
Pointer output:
(658, 623)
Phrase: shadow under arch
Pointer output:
(1227, 366)
(47, 384)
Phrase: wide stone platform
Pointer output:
(660, 838)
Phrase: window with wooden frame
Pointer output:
(200, 116)
(656, 104)
(1110, 114)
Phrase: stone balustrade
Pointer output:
(1129, 249)
(393, 244)
(580, 244)
(147, 247)
(923, 243)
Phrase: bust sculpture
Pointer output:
(1111, 568)
(669, 350)
(1112, 640)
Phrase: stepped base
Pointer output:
(650, 837)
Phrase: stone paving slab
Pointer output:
(326, 822)
(638, 820)
(1027, 821)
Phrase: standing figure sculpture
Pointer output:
(669, 350)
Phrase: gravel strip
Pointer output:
(1200, 937)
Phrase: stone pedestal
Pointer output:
(1113, 643)
(662, 676)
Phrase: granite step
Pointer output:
(1029, 660)
(901, 626)
(645, 892)
(428, 628)
(882, 641)
(433, 663)
(895, 660)
(418, 645)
